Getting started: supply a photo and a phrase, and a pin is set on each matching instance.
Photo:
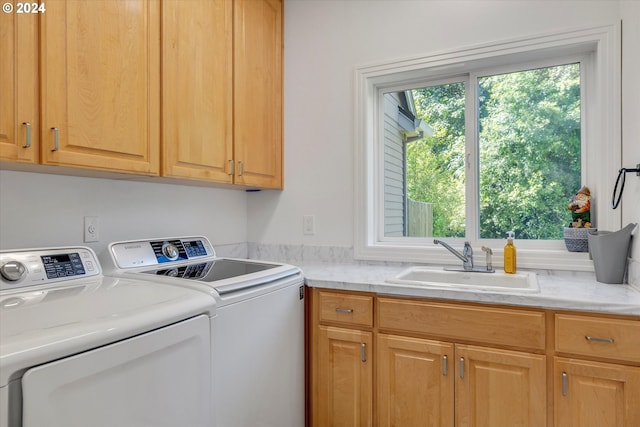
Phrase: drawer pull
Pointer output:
(462, 367)
(27, 143)
(56, 139)
(344, 310)
(564, 383)
(363, 354)
(444, 365)
(596, 339)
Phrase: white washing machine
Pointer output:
(81, 349)
(258, 336)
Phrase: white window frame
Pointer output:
(601, 140)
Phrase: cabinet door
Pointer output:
(197, 75)
(19, 120)
(595, 394)
(101, 84)
(343, 378)
(258, 94)
(414, 382)
(499, 388)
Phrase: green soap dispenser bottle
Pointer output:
(510, 255)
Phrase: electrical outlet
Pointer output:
(309, 224)
(91, 229)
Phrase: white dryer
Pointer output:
(81, 349)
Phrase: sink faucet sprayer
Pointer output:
(467, 256)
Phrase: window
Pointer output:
(471, 144)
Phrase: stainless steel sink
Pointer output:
(440, 278)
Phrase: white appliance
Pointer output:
(258, 336)
(81, 349)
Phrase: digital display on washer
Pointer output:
(194, 248)
(213, 270)
(62, 265)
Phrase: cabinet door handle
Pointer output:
(462, 367)
(28, 137)
(241, 167)
(565, 384)
(56, 139)
(363, 352)
(596, 339)
(344, 310)
(444, 365)
(232, 167)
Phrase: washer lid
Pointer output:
(40, 324)
(226, 275)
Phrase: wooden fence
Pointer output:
(419, 219)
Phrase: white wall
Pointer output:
(631, 123)
(47, 210)
(326, 39)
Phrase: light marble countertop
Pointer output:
(558, 290)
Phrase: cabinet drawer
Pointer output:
(350, 310)
(611, 338)
(491, 325)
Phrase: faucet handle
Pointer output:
(489, 253)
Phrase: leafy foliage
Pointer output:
(435, 165)
(529, 153)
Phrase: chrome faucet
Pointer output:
(466, 256)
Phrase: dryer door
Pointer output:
(161, 378)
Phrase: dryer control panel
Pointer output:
(159, 251)
(45, 266)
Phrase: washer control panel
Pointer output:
(143, 253)
(45, 266)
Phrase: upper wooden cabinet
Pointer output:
(100, 85)
(84, 85)
(19, 117)
(222, 91)
(257, 85)
(197, 89)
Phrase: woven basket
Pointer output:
(576, 239)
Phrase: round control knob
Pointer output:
(170, 251)
(13, 271)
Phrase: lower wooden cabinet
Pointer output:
(499, 388)
(415, 380)
(430, 384)
(393, 361)
(343, 378)
(590, 393)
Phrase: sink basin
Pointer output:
(440, 278)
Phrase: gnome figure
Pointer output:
(580, 208)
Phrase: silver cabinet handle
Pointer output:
(363, 354)
(28, 137)
(462, 367)
(444, 365)
(56, 139)
(344, 310)
(241, 167)
(596, 339)
(564, 383)
(232, 167)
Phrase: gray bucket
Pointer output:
(609, 251)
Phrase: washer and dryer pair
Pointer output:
(135, 347)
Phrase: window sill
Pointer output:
(537, 259)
